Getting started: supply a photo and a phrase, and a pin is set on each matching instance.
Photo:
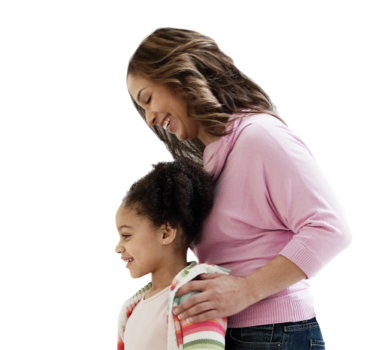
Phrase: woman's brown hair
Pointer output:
(193, 66)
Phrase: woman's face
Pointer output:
(163, 108)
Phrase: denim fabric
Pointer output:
(303, 335)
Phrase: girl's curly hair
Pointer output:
(193, 66)
(179, 193)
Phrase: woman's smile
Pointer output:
(169, 126)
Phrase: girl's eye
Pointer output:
(149, 100)
(126, 236)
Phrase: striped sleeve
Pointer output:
(204, 335)
(120, 343)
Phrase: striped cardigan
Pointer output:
(181, 334)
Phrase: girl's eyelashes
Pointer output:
(125, 236)
(149, 100)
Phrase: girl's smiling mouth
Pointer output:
(128, 262)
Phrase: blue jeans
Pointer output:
(303, 335)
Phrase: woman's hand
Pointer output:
(221, 296)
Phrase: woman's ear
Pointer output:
(168, 234)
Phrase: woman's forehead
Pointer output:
(136, 84)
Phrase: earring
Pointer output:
(163, 242)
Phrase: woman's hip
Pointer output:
(302, 335)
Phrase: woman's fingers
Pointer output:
(191, 286)
(194, 303)
(203, 317)
(197, 311)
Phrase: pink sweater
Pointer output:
(270, 198)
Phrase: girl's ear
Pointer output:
(168, 234)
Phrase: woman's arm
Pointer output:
(278, 274)
(223, 295)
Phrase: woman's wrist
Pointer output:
(277, 275)
(246, 292)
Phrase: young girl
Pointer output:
(159, 219)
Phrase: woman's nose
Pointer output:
(149, 118)
(150, 121)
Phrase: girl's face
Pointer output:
(163, 108)
(140, 245)
(138, 242)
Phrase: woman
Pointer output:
(275, 221)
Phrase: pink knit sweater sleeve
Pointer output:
(297, 192)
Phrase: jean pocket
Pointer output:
(302, 326)
(317, 345)
(249, 338)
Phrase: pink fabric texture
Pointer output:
(270, 198)
(146, 328)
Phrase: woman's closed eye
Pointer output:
(149, 99)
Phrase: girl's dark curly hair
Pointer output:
(193, 66)
(179, 193)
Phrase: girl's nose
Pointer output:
(118, 249)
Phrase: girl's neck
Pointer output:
(165, 278)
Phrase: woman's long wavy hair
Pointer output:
(192, 65)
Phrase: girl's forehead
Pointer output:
(126, 214)
(121, 210)
(123, 213)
